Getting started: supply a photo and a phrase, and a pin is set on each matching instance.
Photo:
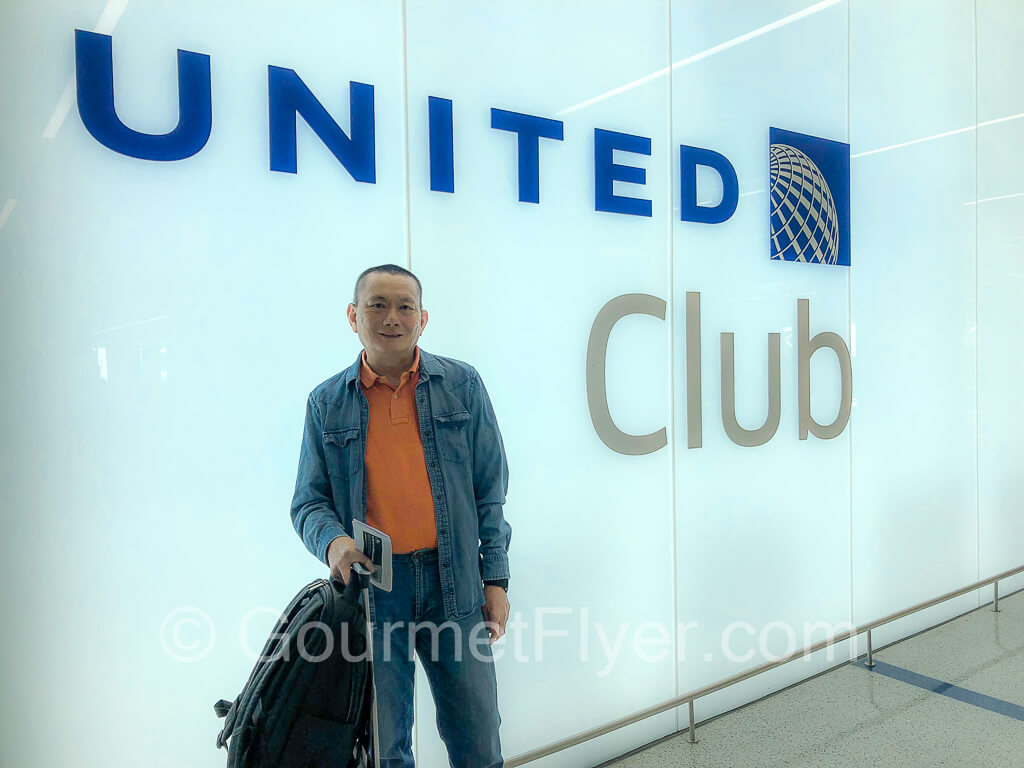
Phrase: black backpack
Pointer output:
(307, 702)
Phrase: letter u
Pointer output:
(751, 437)
(94, 69)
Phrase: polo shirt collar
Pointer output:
(429, 366)
(369, 377)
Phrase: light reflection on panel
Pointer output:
(913, 300)
(763, 546)
(514, 288)
(1000, 211)
(906, 103)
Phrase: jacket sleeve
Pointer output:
(490, 484)
(313, 514)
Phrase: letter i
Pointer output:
(442, 145)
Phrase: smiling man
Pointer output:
(408, 442)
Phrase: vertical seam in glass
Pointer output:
(408, 260)
(672, 372)
(405, 121)
(849, 295)
(977, 326)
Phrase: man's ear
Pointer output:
(351, 313)
(423, 319)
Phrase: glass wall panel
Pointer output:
(165, 321)
(1000, 215)
(763, 550)
(515, 288)
(913, 307)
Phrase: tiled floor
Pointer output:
(855, 717)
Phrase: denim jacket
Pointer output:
(466, 466)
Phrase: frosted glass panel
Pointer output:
(763, 545)
(912, 294)
(166, 322)
(1000, 212)
(516, 288)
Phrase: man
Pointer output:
(408, 442)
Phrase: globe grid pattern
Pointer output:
(804, 222)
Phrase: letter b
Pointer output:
(807, 347)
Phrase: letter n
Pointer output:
(289, 97)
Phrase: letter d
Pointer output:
(689, 209)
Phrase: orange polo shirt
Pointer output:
(398, 496)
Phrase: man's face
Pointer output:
(388, 318)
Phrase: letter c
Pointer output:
(597, 392)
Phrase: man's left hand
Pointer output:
(496, 609)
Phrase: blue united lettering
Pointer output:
(354, 146)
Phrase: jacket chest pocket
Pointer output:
(452, 441)
(341, 449)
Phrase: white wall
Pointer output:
(163, 323)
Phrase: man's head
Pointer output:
(387, 269)
(386, 313)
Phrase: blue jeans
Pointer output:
(456, 657)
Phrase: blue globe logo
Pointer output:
(804, 222)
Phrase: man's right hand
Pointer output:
(341, 554)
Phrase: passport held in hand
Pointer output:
(376, 545)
